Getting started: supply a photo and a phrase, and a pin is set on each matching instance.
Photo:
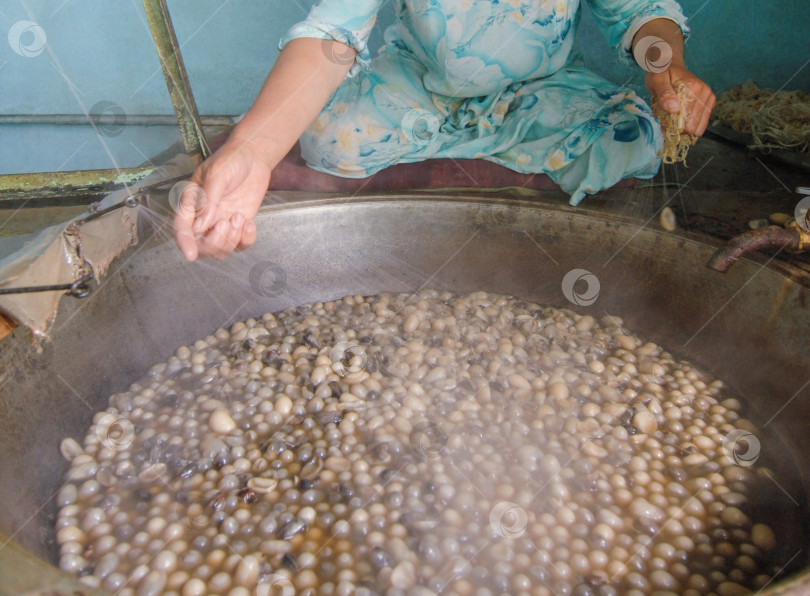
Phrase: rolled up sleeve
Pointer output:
(349, 22)
(620, 20)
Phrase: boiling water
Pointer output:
(423, 444)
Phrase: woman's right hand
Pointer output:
(215, 213)
(216, 210)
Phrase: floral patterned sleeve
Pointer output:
(620, 20)
(346, 21)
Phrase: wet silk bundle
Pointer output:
(774, 119)
(676, 141)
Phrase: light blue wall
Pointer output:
(731, 41)
(101, 50)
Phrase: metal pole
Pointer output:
(101, 119)
(171, 60)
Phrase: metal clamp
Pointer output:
(78, 289)
(139, 197)
(96, 211)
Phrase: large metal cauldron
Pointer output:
(750, 327)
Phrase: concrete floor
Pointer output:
(716, 164)
(734, 185)
(721, 187)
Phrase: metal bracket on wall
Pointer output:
(174, 71)
(76, 187)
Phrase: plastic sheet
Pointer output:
(61, 254)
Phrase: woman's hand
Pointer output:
(658, 49)
(215, 211)
(700, 99)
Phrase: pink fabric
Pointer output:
(293, 174)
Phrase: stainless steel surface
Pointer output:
(748, 326)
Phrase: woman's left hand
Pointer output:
(700, 99)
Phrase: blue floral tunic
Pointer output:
(485, 79)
